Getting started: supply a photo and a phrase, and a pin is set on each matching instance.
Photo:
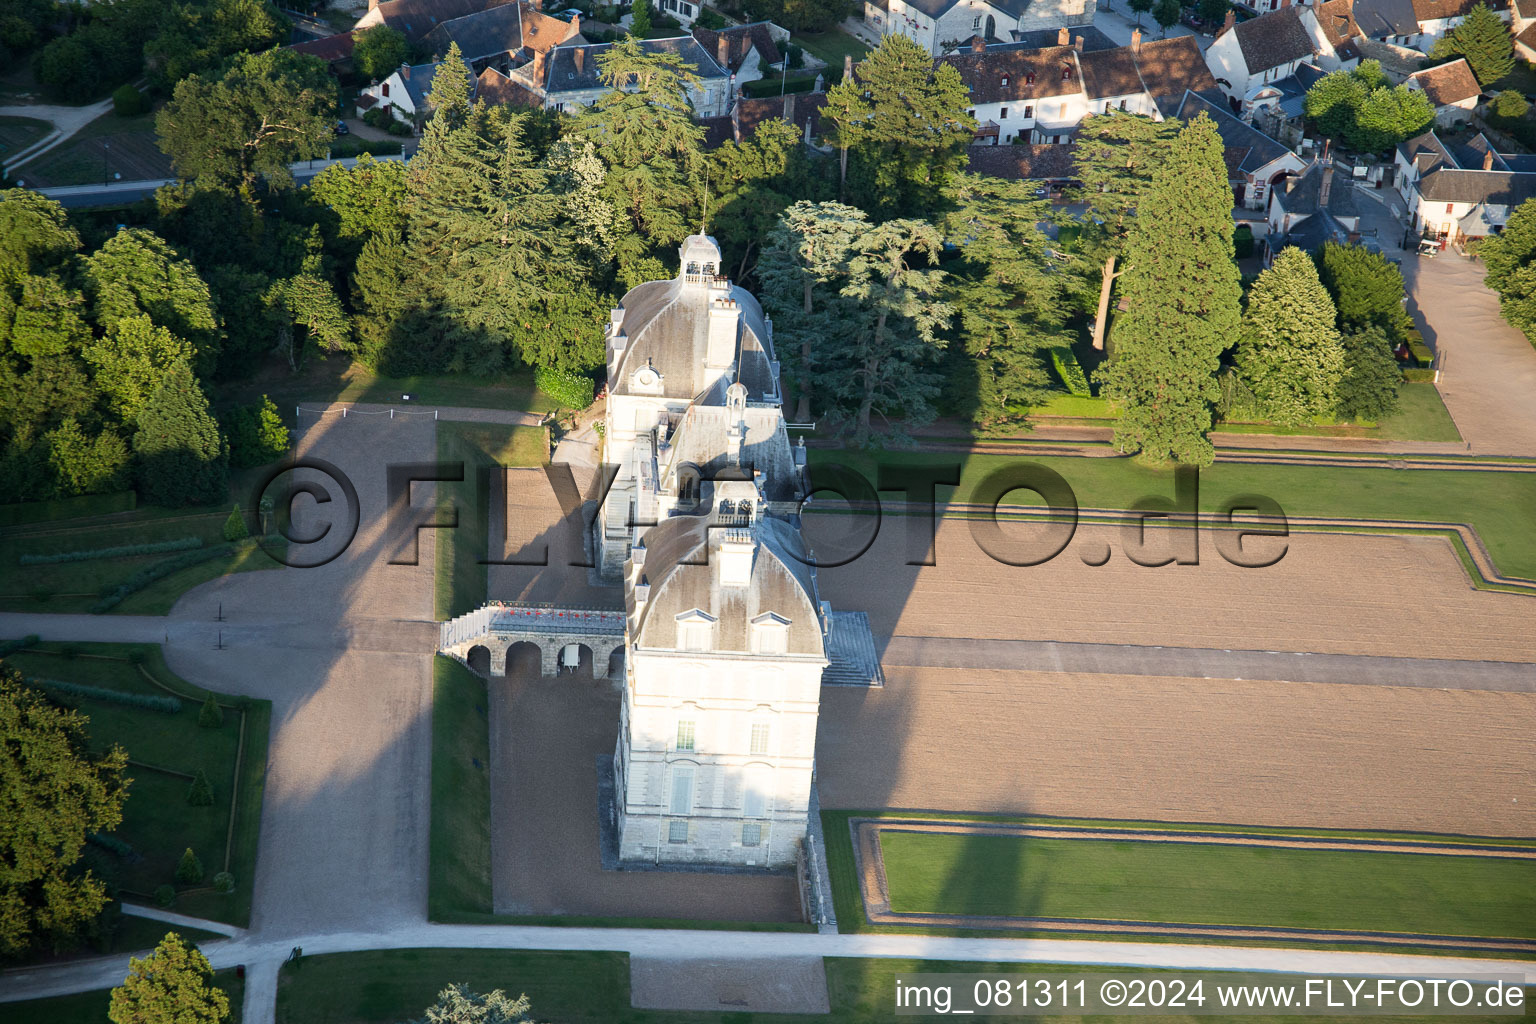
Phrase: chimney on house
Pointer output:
(978, 44)
(405, 72)
(580, 57)
(1063, 37)
(1327, 186)
(720, 346)
(723, 51)
(1488, 160)
(1135, 40)
(538, 68)
(1077, 44)
(1227, 24)
(575, 26)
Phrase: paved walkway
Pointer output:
(312, 412)
(65, 120)
(263, 956)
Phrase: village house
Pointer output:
(1335, 34)
(1451, 88)
(803, 110)
(1311, 209)
(1438, 17)
(741, 50)
(1245, 57)
(403, 93)
(1458, 194)
(501, 36)
(1523, 25)
(684, 11)
(569, 77)
(415, 18)
(1256, 163)
(941, 26)
(1040, 96)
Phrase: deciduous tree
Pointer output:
(131, 359)
(173, 985)
(182, 458)
(1511, 261)
(53, 793)
(379, 51)
(458, 1004)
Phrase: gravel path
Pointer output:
(875, 889)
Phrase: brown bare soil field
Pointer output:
(1174, 749)
(1331, 593)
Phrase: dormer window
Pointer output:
(695, 631)
(770, 634)
(1005, 80)
(1066, 72)
(1029, 78)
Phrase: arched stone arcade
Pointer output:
(497, 628)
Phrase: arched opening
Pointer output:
(524, 659)
(991, 28)
(616, 662)
(575, 659)
(478, 658)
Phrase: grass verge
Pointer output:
(91, 1007)
(459, 873)
(593, 988)
(333, 380)
(1500, 506)
(165, 750)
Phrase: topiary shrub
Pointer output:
(1414, 375)
(572, 390)
(1242, 241)
(224, 882)
(129, 102)
(1070, 372)
(234, 526)
(189, 871)
(165, 895)
(210, 716)
(796, 57)
(200, 792)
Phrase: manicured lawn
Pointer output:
(335, 380)
(1500, 506)
(1420, 416)
(165, 750)
(576, 988)
(831, 46)
(76, 586)
(91, 1007)
(17, 133)
(459, 880)
(1011, 876)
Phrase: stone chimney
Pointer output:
(1226, 25)
(723, 51)
(575, 26)
(1063, 37)
(720, 348)
(580, 56)
(978, 44)
(1077, 44)
(1327, 186)
(405, 72)
(1488, 160)
(539, 56)
(821, 83)
(1135, 40)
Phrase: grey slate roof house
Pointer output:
(1256, 163)
(1444, 194)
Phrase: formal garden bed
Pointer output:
(197, 761)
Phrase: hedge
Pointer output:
(66, 508)
(572, 390)
(149, 574)
(12, 646)
(1421, 355)
(107, 842)
(1070, 372)
(1415, 374)
(1242, 241)
(349, 147)
(87, 554)
(150, 702)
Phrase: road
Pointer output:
(124, 192)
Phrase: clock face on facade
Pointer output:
(646, 378)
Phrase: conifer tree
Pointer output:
(1484, 40)
(173, 984)
(1368, 387)
(182, 458)
(452, 87)
(210, 715)
(189, 870)
(1289, 353)
(200, 792)
(234, 526)
(1183, 290)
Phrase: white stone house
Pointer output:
(404, 92)
(942, 26)
(1464, 192)
(1248, 55)
(568, 78)
(743, 49)
(1256, 163)
(727, 641)
(1438, 17)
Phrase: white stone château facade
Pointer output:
(725, 636)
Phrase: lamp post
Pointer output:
(106, 163)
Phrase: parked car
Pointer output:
(1429, 248)
(342, 129)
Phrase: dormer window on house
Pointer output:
(1066, 72)
(1029, 78)
(770, 634)
(695, 631)
(1005, 80)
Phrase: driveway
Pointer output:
(1488, 369)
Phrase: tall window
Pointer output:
(1029, 111)
(759, 739)
(682, 790)
(677, 832)
(976, 22)
(751, 834)
(685, 734)
(759, 779)
(1004, 112)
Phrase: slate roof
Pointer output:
(1273, 39)
(499, 90)
(417, 80)
(1246, 149)
(935, 9)
(574, 68)
(984, 73)
(1300, 193)
(1038, 163)
(330, 49)
(796, 108)
(416, 18)
(1039, 39)
(1502, 188)
(1448, 83)
(1381, 18)
(683, 578)
(740, 41)
(482, 34)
